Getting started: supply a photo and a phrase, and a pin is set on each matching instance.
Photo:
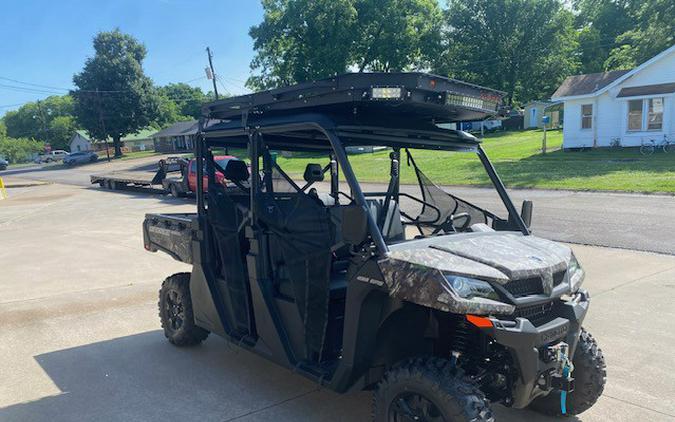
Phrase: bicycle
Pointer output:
(615, 143)
(647, 148)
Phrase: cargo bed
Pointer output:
(171, 233)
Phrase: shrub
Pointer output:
(19, 150)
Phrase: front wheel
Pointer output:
(429, 390)
(175, 312)
(647, 149)
(589, 375)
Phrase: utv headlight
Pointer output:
(469, 288)
(575, 273)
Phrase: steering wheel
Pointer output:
(448, 226)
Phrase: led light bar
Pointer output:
(460, 100)
(386, 93)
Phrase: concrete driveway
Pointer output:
(79, 337)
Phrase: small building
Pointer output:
(178, 137)
(621, 107)
(80, 141)
(533, 114)
(140, 141)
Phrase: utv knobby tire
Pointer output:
(452, 396)
(175, 312)
(589, 375)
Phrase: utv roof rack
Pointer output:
(369, 98)
(383, 109)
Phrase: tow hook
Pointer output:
(561, 378)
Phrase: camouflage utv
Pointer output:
(433, 302)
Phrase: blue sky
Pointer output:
(46, 42)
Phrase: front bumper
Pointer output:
(525, 341)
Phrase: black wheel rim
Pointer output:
(173, 307)
(414, 407)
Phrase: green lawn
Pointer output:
(519, 162)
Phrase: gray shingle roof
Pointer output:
(587, 84)
(189, 127)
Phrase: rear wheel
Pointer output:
(429, 389)
(647, 149)
(174, 191)
(589, 379)
(175, 312)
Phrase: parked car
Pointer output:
(3, 164)
(80, 158)
(53, 156)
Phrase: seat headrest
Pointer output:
(236, 171)
(313, 173)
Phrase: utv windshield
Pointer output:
(409, 205)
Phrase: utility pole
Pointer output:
(43, 123)
(100, 119)
(212, 75)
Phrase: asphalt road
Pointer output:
(80, 338)
(630, 221)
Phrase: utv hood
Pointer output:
(415, 271)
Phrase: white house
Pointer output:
(625, 106)
(80, 141)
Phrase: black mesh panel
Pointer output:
(226, 221)
(300, 251)
(444, 204)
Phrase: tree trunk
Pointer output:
(117, 143)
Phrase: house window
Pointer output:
(654, 113)
(587, 116)
(645, 114)
(635, 115)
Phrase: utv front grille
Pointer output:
(525, 287)
(532, 286)
(537, 314)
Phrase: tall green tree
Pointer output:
(49, 120)
(114, 97)
(600, 22)
(188, 99)
(302, 40)
(523, 47)
(396, 35)
(653, 32)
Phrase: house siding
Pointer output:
(610, 113)
(79, 141)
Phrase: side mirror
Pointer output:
(354, 224)
(526, 212)
(313, 173)
(236, 171)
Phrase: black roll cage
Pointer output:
(254, 128)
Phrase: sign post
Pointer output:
(545, 119)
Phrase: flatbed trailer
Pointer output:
(123, 179)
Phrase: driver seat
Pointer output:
(392, 225)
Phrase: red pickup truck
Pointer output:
(179, 186)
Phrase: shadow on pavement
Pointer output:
(142, 377)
